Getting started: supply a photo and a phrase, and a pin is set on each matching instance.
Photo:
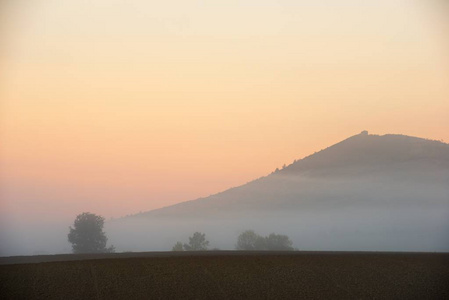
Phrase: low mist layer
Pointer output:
(373, 193)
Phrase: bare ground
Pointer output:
(227, 275)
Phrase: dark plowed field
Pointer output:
(227, 275)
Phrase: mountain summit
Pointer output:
(371, 151)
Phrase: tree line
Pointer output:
(246, 241)
(87, 236)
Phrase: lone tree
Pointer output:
(87, 235)
(250, 241)
(177, 247)
(197, 242)
(278, 242)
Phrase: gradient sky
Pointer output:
(117, 107)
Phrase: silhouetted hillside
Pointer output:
(367, 192)
(361, 170)
(365, 153)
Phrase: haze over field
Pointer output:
(119, 107)
(368, 192)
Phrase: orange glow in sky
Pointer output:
(117, 107)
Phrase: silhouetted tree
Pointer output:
(87, 235)
(278, 242)
(178, 247)
(250, 241)
(197, 242)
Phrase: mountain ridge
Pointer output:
(367, 192)
(359, 155)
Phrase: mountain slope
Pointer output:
(394, 168)
(367, 192)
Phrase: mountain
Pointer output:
(368, 192)
(361, 170)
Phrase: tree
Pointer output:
(250, 241)
(278, 242)
(87, 235)
(177, 247)
(197, 242)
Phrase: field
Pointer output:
(227, 275)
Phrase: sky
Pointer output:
(116, 107)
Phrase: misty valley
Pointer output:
(366, 193)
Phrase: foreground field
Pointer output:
(227, 275)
